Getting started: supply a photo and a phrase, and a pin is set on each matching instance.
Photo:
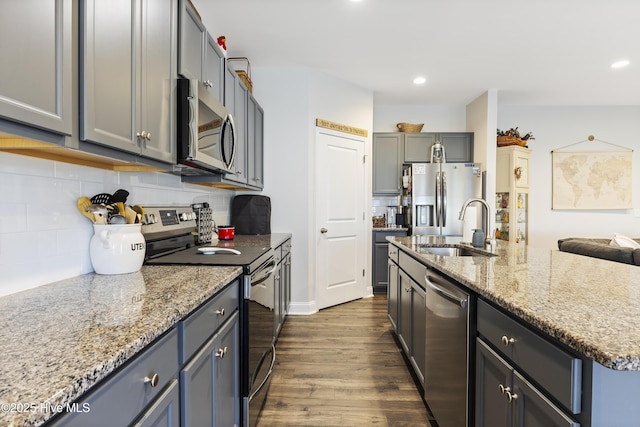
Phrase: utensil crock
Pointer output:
(117, 249)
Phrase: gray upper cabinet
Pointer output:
(417, 147)
(128, 58)
(193, 35)
(199, 56)
(255, 143)
(458, 146)
(36, 87)
(388, 155)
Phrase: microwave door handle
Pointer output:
(232, 127)
(228, 126)
(193, 134)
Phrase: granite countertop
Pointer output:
(391, 228)
(60, 339)
(589, 304)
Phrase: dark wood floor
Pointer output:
(342, 367)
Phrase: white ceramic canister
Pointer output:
(117, 249)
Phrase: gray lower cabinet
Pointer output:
(144, 390)
(393, 288)
(282, 284)
(505, 398)
(210, 356)
(411, 327)
(380, 245)
(37, 73)
(210, 386)
(189, 377)
(127, 76)
(511, 357)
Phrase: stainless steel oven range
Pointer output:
(169, 235)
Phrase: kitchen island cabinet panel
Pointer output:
(36, 87)
(412, 313)
(127, 76)
(559, 372)
(506, 398)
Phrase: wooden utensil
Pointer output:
(130, 215)
(84, 203)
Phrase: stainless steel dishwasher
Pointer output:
(447, 355)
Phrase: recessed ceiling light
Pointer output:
(419, 81)
(620, 64)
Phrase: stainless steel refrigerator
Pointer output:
(438, 191)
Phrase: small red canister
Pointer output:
(226, 232)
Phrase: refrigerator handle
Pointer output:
(437, 199)
(443, 195)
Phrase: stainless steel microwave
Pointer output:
(206, 134)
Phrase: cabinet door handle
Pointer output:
(323, 230)
(408, 289)
(504, 389)
(508, 341)
(152, 380)
(511, 396)
(221, 352)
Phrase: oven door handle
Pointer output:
(260, 277)
(266, 377)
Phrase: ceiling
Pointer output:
(533, 52)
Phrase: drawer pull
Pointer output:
(221, 352)
(508, 341)
(153, 380)
(220, 312)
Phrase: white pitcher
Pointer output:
(117, 249)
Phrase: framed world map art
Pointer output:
(592, 179)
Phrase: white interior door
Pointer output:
(340, 226)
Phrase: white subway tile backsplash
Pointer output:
(43, 237)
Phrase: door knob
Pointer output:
(323, 230)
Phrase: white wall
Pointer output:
(554, 128)
(436, 118)
(43, 237)
(293, 98)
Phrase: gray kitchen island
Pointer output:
(562, 326)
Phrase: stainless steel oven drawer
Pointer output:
(557, 371)
(196, 329)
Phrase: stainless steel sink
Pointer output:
(456, 251)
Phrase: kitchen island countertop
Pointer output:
(589, 304)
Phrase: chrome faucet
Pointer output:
(487, 239)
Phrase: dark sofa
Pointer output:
(600, 248)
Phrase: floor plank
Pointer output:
(342, 367)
